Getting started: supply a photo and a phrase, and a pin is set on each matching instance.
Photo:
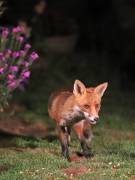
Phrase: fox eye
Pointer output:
(86, 106)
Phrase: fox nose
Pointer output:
(96, 118)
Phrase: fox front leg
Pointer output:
(64, 139)
(84, 133)
(86, 148)
(85, 142)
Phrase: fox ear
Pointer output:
(79, 88)
(100, 89)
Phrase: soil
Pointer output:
(13, 125)
(21, 128)
(75, 171)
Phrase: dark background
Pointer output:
(103, 50)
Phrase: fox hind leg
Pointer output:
(69, 135)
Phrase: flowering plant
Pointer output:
(16, 59)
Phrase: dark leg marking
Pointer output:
(86, 149)
(64, 134)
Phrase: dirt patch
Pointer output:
(76, 158)
(22, 128)
(77, 171)
(132, 178)
(12, 125)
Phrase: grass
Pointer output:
(113, 146)
(39, 159)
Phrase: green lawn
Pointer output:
(113, 145)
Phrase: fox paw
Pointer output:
(88, 154)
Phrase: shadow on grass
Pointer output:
(15, 141)
(51, 138)
(4, 168)
(118, 149)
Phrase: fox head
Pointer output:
(88, 100)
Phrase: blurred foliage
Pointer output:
(2, 8)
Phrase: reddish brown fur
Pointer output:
(63, 101)
(72, 109)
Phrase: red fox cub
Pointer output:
(78, 109)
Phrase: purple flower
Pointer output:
(7, 53)
(2, 57)
(22, 53)
(12, 84)
(14, 68)
(5, 33)
(27, 46)
(20, 39)
(26, 64)
(34, 56)
(11, 76)
(17, 29)
(15, 54)
(26, 74)
(1, 70)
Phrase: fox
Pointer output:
(78, 110)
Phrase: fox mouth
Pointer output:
(91, 121)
